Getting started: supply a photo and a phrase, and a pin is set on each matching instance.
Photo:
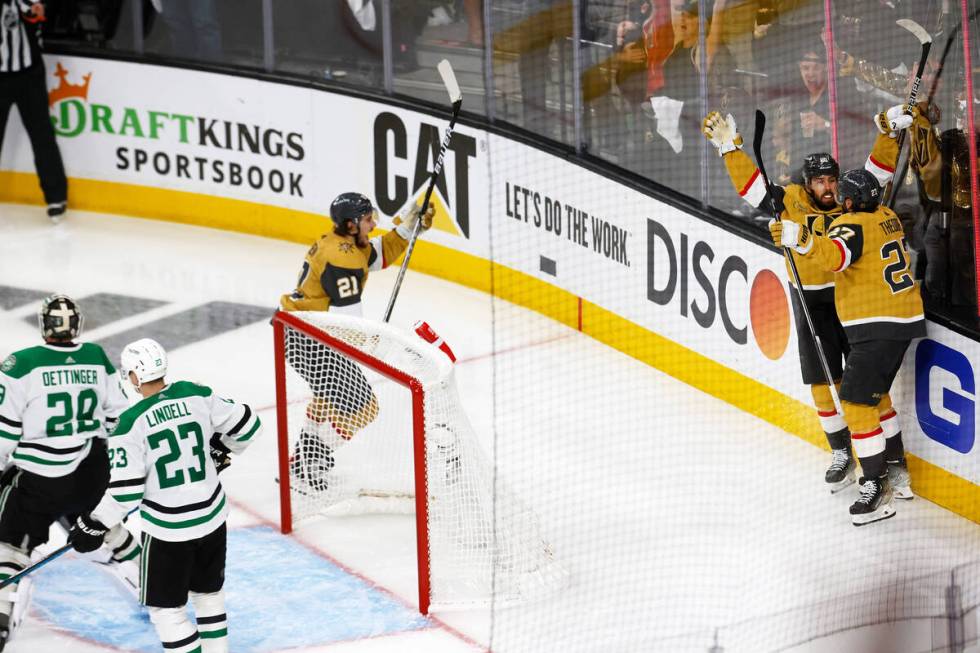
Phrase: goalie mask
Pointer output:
(59, 318)
(146, 359)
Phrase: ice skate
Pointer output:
(874, 504)
(840, 474)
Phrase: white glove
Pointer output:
(721, 132)
(786, 233)
(893, 120)
(405, 227)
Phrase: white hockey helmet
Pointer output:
(145, 358)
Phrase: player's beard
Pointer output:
(828, 204)
(361, 241)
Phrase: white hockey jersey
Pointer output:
(53, 401)
(161, 462)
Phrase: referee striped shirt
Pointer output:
(18, 40)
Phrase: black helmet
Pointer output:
(863, 189)
(59, 318)
(349, 207)
(819, 164)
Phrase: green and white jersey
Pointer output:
(53, 401)
(161, 461)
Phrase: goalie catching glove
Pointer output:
(786, 233)
(407, 226)
(87, 534)
(894, 120)
(721, 132)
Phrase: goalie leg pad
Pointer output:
(122, 544)
(12, 561)
(212, 621)
(176, 632)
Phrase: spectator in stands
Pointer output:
(801, 114)
(951, 275)
(644, 39)
(675, 154)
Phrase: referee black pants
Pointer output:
(27, 89)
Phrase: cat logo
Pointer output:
(391, 157)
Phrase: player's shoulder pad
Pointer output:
(181, 389)
(797, 199)
(341, 252)
(177, 390)
(19, 364)
(124, 424)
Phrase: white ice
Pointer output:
(676, 513)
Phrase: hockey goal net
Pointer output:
(370, 421)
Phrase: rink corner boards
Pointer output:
(932, 482)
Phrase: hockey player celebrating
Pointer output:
(333, 277)
(814, 204)
(57, 401)
(881, 310)
(161, 464)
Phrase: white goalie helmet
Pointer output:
(145, 358)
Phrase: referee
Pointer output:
(22, 82)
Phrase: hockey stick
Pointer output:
(456, 97)
(51, 557)
(932, 87)
(760, 128)
(926, 41)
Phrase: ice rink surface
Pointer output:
(718, 519)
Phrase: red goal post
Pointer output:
(370, 421)
(279, 325)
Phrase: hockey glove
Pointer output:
(407, 226)
(893, 120)
(721, 132)
(219, 454)
(791, 234)
(87, 534)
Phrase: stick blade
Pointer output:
(917, 30)
(449, 79)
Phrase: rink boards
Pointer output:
(693, 299)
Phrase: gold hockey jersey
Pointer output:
(926, 160)
(335, 271)
(876, 297)
(794, 203)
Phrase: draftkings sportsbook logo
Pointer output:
(401, 174)
(182, 146)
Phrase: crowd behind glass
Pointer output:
(628, 82)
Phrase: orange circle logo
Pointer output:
(769, 312)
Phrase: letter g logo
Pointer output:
(945, 395)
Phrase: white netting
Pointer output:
(350, 434)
